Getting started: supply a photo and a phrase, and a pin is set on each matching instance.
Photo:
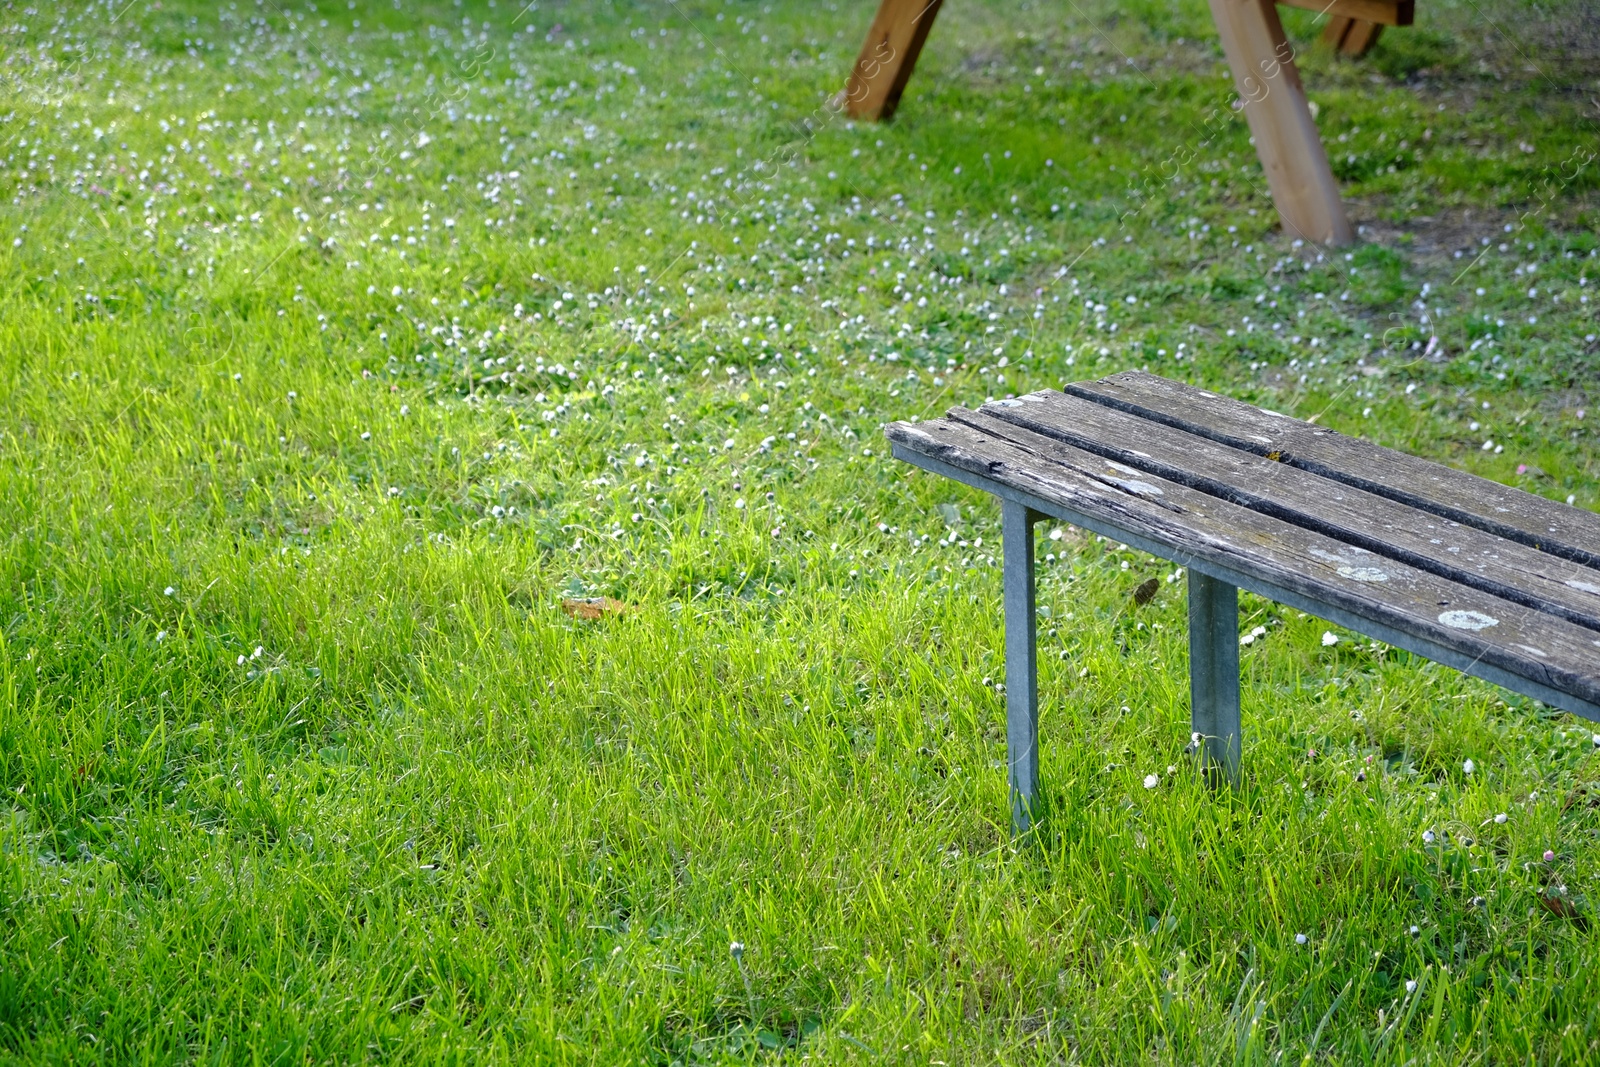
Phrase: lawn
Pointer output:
(341, 346)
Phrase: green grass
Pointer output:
(303, 761)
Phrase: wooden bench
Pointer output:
(1488, 579)
(1262, 62)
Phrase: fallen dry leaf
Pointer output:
(1146, 591)
(1556, 901)
(593, 607)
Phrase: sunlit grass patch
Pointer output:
(341, 345)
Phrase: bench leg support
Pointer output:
(1214, 671)
(1022, 679)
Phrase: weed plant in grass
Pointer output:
(341, 343)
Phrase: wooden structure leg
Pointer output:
(1275, 105)
(1351, 37)
(888, 57)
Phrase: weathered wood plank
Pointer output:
(888, 56)
(1196, 529)
(1552, 527)
(1384, 12)
(1457, 553)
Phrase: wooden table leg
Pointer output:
(888, 57)
(1275, 105)
(1214, 671)
(1022, 676)
(1333, 33)
(1360, 37)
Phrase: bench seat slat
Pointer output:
(1552, 527)
(1254, 550)
(1456, 552)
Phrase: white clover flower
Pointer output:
(1151, 781)
(1329, 638)
(1468, 767)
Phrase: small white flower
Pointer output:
(161, 635)
(1301, 939)
(257, 653)
(1329, 638)
(1468, 767)
(170, 591)
(1414, 931)
(1427, 837)
(736, 949)
(240, 660)
(1411, 985)
(1500, 819)
(1151, 781)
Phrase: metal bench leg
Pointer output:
(1214, 671)
(1022, 680)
